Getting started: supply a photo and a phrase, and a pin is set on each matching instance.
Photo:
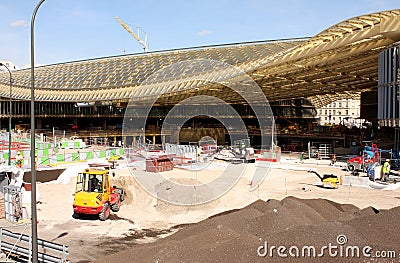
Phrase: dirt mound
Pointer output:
(128, 184)
(237, 235)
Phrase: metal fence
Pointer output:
(20, 245)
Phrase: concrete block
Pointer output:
(355, 181)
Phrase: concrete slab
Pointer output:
(355, 181)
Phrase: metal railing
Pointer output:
(25, 251)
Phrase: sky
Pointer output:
(70, 30)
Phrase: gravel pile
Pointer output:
(242, 235)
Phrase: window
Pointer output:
(326, 112)
(334, 112)
(79, 183)
(89, 183)
(347, 112)
(340, 104)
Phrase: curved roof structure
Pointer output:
(338, 62)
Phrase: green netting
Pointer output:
(44, 160)
(89, 155)
(75, 156)
(60, 158)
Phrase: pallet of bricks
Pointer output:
(159, 164)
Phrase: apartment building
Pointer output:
(344, 111)
(9, 64)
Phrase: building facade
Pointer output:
(9, 64)
(344, 111)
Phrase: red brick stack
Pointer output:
(159, 164)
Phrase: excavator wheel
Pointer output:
(121, 193)
(105, 213)
(115, 207)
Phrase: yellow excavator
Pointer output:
(94, 194)
(293, 127)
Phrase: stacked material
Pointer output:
(248, 234)
(159, 163)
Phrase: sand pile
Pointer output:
(236, 236)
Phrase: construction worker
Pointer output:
(302, 157)
(333, 159)
(385, 170)
(94, 184)
(199, 151)
(18, 160)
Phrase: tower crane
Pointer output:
(144, 43)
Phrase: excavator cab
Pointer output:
(94, 195)
(92, 181)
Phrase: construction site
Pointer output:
(217, 156)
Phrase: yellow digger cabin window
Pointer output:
(79, 183)
(89, 183)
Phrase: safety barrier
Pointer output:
(54, 156)
(186, 151)
(73, 144)
(179, 149)
(270, 155)
(9, 241)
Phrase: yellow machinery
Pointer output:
(327, 180)
(94, 194)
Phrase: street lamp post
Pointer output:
(10, 116)
(33, 170)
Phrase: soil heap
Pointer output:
(247, 234)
